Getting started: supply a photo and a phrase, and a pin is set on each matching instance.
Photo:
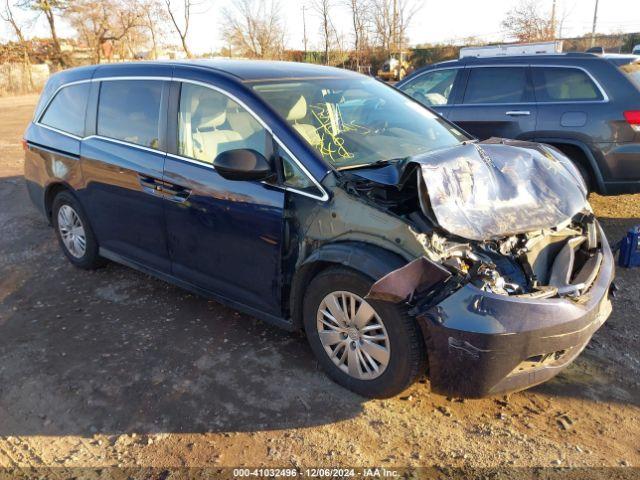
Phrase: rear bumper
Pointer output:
(482, 344)
(622, 161)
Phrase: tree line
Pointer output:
(125, 29)
(249, 28)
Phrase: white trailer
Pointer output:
(540, 48)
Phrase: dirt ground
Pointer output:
(113, 367)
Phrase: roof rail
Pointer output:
(581, 54)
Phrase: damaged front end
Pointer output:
(515, 271)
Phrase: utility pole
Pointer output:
(394, 29)
(593, 29)
(553, 19)
(304, 33)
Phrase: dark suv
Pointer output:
(320, 199)
(586, 105)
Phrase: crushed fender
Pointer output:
(400, 285)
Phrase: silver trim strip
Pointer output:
(61, 132)
(324, 197)
(126, 144)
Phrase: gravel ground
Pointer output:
(113, 367)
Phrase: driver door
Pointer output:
(224, 236)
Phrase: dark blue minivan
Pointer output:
(320, 199)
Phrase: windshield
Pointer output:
(355, 122)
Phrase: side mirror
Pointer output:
(242, 164)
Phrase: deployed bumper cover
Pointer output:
(481, 344)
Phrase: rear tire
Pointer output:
(405, 350)
(75, 236)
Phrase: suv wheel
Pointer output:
(372, 348)
(74, 233)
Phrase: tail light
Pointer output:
(633, 118)
(25, 145)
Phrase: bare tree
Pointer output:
(50, 9)
(322, 8)
(6, 14)
(391, 21)
(103, 24)
(189, 8)
(359, 22)
(255, 28)
(526, 23)
(154, 17)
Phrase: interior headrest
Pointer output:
(233, 106)
(211, 113)
(299, 110)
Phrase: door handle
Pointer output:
(170, 191)
(175, 193)
(150, 184)
(518, 113)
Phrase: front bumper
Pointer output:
(482, 344)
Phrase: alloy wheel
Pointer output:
(72, 231)
(353, 335)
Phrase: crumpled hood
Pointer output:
(497, 188)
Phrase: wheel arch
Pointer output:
(571, 148)
(368, 259)
(50, 193)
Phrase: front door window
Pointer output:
(210, 123)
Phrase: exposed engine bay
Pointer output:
(509, 217)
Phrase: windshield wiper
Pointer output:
(377, 163)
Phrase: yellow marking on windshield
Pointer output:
(331, 145)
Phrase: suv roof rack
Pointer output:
(513, 49)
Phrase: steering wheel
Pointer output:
(375, 122)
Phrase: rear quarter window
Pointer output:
(67, 109)
(556, 84)
(129, 110)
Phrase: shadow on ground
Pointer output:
(115, 351)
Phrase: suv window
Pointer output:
(67, 109)
(496, 85)
(432, 88)
(210, 123)
(558, 84)
(129, 110)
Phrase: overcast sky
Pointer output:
(436, 21)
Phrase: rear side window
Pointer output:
(432, 88)
(67, 109)
(496, 85)
(129, 110)
(564, 85)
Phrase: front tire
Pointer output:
(75, 236)
(372, 348)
